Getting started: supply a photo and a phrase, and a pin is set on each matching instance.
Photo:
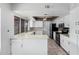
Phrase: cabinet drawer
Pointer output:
(73, 49)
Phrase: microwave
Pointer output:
(65, 30)
(61, 25)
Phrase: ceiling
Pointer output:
(48, 18)
(41, 9)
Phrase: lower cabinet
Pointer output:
(78, 46)
(65, 43)
(36, 47)
(73, 49)
(16, 47)
(29, 47)
(68, 45)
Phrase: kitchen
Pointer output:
(30, 29)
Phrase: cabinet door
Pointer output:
(73, 48)
(62, 42)
(74, 26)
(77, 37)
(65, 43)
(67, 21)
(16, 46)
(35, 46)
(66, 46)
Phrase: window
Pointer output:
(16, 24)
(20, 25)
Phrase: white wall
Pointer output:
(7, 23)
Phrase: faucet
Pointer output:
(34, 33)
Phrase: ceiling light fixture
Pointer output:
(45, 18)
(47, 6)
(45, 14)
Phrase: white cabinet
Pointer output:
(62, 41)
(16, 46)
(73, 49)
(74, 31)
(65, 43)
(69, 45)
(38, 24)
(78, 47)
(30, 46)
(66, 21)
(35, 46)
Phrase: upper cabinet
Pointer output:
(74, 29)
(72, 21)
(38, 24)
(66, 21)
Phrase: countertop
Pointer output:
(67, 35)
(30, 35)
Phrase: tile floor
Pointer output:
(54, 49)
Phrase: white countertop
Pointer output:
(67, 35)
(30, 35)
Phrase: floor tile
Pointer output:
(54, 49)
